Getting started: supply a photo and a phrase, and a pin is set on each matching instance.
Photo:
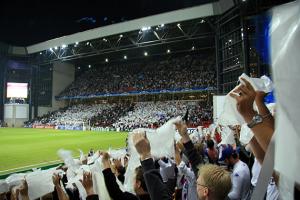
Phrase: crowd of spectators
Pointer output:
(186, 72)
(205, 168)
(78, 113)
(125, 116)
(154, 114)
(210, 167)
(108, 116)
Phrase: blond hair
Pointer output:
(216, 179)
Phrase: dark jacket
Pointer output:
(114, 190)
(92, 197)
(155, 186)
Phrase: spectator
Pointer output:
(211, 152)
(240, 176)
(113, 188)
(213, 183)
(157, 189)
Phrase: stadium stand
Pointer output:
(185, 72)
(124, 116)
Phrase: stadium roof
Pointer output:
(137, 24)
(183, 28)
(29, 22)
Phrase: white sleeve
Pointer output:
(236, 191)
(185, 170)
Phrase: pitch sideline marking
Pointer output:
(24, 167)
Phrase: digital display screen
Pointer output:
(17, 90)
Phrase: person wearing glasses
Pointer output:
(213, 183)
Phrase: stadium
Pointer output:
(161, 100)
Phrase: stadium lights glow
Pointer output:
(90, 66)
(51, 49)
(149, 28)
(55, 48)
(105, 40)
(162, 25)
(63, 46)
(168, 51)
(229, 40)
(178, 25)
(41, 53)
(76, 43)
(157, 28)
(202, 21)
(125, 57)
(87, 43)
(121, 36)
(193, 48)
(106, 59)
(145, 53)
(144, 28)
(78, 68)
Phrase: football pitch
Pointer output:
(27, 148)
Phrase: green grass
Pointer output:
(21, 147)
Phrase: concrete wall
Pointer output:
(16, 114)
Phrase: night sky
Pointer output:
(27, 22)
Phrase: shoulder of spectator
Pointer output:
(148, 164)
(92, 197)
(106, 171)
(188, 146)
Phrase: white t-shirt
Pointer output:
(240, 178)
(255, 172)
(272, 191)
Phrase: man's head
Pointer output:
(210, 144)
(139, 185)
(228, 155)
(213, 183)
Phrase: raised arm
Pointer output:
(155, 186)
(110, 181)
(189, 149)
(60, 192)
(263, 131)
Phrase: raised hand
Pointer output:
(142, 145)
(56, 179)
(105, 160)
(245, 100)
(24, 190)
(182, 129)
(87, 183)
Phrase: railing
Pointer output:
(115, 94)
